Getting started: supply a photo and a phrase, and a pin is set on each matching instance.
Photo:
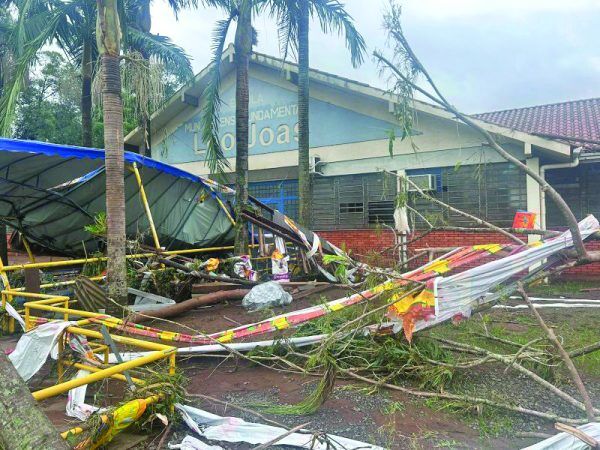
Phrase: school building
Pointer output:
(350, 125)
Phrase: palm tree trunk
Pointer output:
(22, 423)
(110, 48)
(86, 94)
(304, 188)
(243, 50)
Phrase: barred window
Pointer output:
(351, 208)
(381, 212)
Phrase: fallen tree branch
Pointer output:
(475, 219)
(587, 439)
(205, 276)
(508, 361)
(186, 305)
(589, 407)
(521, 350)
(282, 436)
(468, 399)
(585, 350)
(165, 435)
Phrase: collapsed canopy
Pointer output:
(51, 192)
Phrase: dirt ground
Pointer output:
(390, 419)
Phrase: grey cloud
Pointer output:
(485, 55)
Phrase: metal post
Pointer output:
(146, 206)
(27, 248)
(115, 351)
(6, 298)
(58, 389)
(225, 210)
(27, 314)
(61, 348)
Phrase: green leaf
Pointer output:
(391, 139)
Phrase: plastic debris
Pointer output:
(211, 264)
(233, 429)
(566, 441)
(243, 268)
(76, 406)
(12, 312)
(191, 443)
(266, 295)
(279, 261)
(34, 347)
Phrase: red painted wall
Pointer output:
(367, 242)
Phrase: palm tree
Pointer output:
(72, 25)
(6, 25)
(239, 11)
(293, 18)
(108, 39)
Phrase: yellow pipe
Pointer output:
(224, 208)
(5, 281)
(28, 249)
(43, 298)
(27, 319)
(58, 389)
(75, 312)
(60, 283)
(74, 262)
(116, 376)
(122, 339)
(146, 206)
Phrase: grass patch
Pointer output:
(575, 328)
(392, 408)
(558, 287)
(490, 421)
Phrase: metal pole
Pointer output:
(52, 391)
(146, 206)
(28, 249)
(225, 210)
(74, 262)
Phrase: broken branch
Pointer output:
(589, 407)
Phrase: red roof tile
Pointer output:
(576, 122)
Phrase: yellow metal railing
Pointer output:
(60, 304)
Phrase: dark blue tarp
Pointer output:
(50, 192)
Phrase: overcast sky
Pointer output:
(485, 54)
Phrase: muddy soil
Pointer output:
(390, 419)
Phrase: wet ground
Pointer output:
(390, 419)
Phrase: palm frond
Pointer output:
(333, 17)
(25, 58)
(229, 6)
(162, 49)
(178, 5)
(285, 13)
(215, 157)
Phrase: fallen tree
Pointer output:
(405, 68)
(187, 305)
(23, 424)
